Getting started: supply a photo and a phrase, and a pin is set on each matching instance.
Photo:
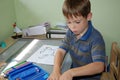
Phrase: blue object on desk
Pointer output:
(26, 71)
(2, 44)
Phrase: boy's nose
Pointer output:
(72, 25)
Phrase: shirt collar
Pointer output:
(88, 32)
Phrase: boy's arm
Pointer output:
(56, 73)
(90, 69)
(58, 60)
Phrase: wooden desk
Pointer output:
(9, 41)
(43, 36)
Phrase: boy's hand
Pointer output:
(66, 76)
(54, 76)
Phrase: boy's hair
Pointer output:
(76, 8)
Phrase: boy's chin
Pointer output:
(76, 34)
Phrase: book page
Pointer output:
(44, 55)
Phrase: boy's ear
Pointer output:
(89, 16)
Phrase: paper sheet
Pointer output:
(36, 30)
(44, 55)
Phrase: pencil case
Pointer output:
(26, 71)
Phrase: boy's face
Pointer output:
(77, 24)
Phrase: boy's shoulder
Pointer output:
(96, 32)
(96, 35)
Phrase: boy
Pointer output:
(84, 43)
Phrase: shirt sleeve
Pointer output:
(98, 50)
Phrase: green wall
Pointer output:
(7, 18)
(105, 16)
(31, 12)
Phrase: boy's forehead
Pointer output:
(74, 17)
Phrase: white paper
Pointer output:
(36, 30)
(44, 55)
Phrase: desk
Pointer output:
(12, 52)
(9, 41)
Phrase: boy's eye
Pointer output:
(68, 22)
(77, 22)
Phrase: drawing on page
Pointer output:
(44, 55)
(47, 51)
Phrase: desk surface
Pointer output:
(12, 52)
(9, 41)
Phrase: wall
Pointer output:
(105, 16)
(7, 18)
(30, 12)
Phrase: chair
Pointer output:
(114, 72)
